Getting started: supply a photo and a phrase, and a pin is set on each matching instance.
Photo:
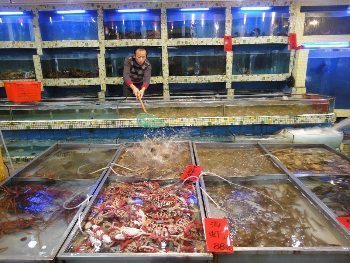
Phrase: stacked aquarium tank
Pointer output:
(196, 23)
(196, 60)
(131, 24)
(261, 59)
(16, 26)
(68, 25)
(260, 21)
(328, 20)
(70, 63)
(115, 60)
(326, 69)
(17, 64)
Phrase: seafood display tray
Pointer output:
(313, 234)
(152, 160)
(235, 160)
(38, 213)
(310, 159)
(67, 253)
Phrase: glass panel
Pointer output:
(260, 59)
(327, 23)
(17, 64)
(334, 191)
(69, 63)
(273, 22)
(132, 25)
(115, 60)
(54, 26)
(196, 61)
(261, 87)
(180, 89)
(270, 213)
(72, 92)
(326, 71)
(17, 27)
(196, 24)
(152, 90)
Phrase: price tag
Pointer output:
(192, 171)
(345, 220)
(217, 235)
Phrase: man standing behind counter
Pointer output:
(137, 73)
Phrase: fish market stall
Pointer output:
(39, 209)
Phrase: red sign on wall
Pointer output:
(292, 39)
(227, 43)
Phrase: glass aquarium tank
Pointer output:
(131, 24)
(17, 64)
(115, 60)
(70, 63)
(16, 26)
(184, 89)
(261, 87)
(260, 21)
(260, 59)
(326, 69)
(117, 90)
(68, 25)
(196, 23)
(88, 91)
(331, 20)
(197, 61)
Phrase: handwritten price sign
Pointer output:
(217, 235)
(192, 172)
(345, 220)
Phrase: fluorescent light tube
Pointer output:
(255, 8)
(194, 9)
(131, 10)
(10, 13)
(63, 12)
(326, 45)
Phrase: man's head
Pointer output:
(140, 55)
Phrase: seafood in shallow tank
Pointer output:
(312, 160)
(236, 162)
(334, 192)
(142, 217)
(270, 214)
(154, 159)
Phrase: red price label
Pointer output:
(191, 172)
(345, 220)
(217, 235)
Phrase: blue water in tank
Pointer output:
(328, 72)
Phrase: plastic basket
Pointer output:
(23, 91)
